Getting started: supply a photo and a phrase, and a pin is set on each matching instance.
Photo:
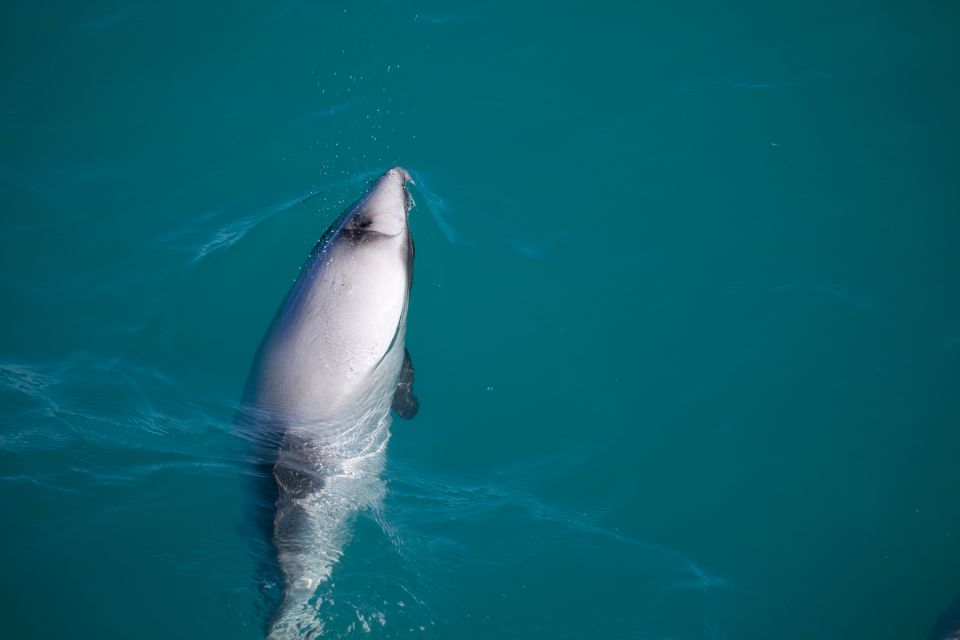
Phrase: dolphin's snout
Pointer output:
(385, 206)
(403, 175)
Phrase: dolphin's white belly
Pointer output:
(326, 350)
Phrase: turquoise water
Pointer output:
(685, 315)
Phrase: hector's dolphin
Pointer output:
(319, 394)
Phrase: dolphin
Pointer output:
(319, 395)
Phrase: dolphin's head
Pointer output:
(347, 310)
(383, 209)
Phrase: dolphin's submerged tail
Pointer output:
(311, 529)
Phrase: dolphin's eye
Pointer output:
(362, 223)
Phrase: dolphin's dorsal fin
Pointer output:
(404, 402)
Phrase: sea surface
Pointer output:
(685, 320)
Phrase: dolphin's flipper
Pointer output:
(404, 402)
